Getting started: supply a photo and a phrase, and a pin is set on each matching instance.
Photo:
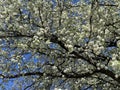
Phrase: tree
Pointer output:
(60, 44)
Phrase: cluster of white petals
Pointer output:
(64, 40)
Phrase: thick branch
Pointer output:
(15, 36)
(88, 74)
(110, 74)
(66, 75)
(54, 39)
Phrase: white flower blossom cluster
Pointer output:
(87, 31)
